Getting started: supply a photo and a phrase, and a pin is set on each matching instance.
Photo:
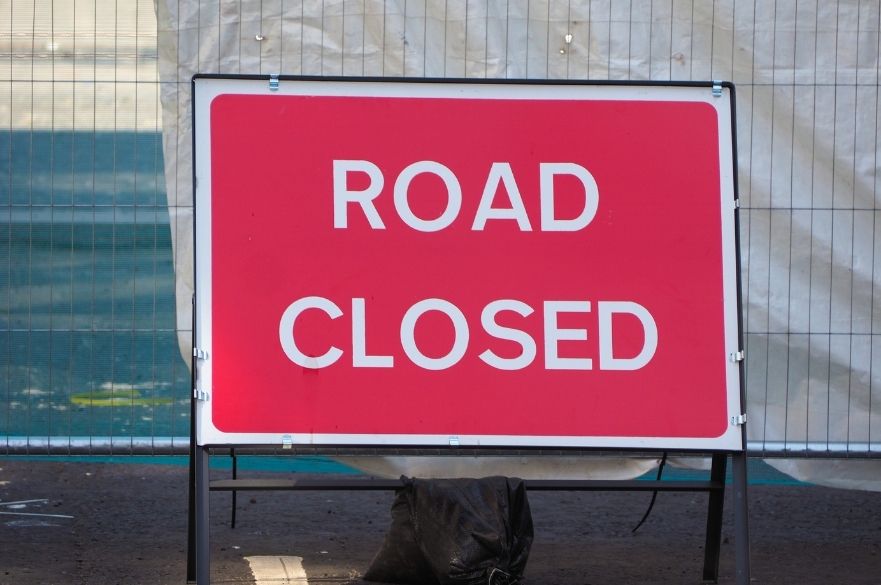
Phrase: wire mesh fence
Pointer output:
(88, 351)
(95, 187)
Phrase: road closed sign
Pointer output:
(462, 263)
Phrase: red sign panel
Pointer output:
(407, 263)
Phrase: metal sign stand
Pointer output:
(198, 558)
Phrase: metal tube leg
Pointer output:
(191, 518)
(203, 560)
(741, 519)
(235, 475)
(713, 542)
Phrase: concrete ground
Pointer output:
(100, 524)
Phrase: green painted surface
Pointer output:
(280, 464)
(758, 472)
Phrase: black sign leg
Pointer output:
(741, 518)
(191, 516)
(235, 475)
(713, 543)
(203, 568)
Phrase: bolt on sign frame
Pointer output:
(467, 264)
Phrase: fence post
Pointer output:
(191, 505)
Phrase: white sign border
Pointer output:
(206, 88)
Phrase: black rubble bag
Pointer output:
(456, 531)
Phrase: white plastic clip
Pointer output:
(286, 442)
(201, 395)
(454, 441)
(273, 82)
(738, 420)
(200, 354)
(717, 89)
(738, 356)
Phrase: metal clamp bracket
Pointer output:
(286, 442)
(737, 357)
(201, 395)
(738, 420)
(273, 82)
(200, 354)
(717, 88)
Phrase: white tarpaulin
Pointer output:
(808, 121)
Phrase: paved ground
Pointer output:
(102, 524)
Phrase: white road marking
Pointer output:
(33, 514)
(20, 502)
(277, 570)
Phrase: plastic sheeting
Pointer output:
(524, 466)
(808, 121)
